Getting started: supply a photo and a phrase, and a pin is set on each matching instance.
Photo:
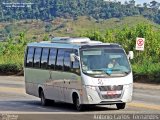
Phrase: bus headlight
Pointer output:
(129, 86)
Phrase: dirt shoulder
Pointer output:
(11, 78)
(146, 86)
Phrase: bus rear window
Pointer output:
(37, 57)
(30, 53)
(52, 58)
(44, 59)
(60, 57)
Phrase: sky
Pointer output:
(137, 1)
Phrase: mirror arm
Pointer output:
(77, 57)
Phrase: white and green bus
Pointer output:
(78, 71)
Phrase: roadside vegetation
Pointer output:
(146, 64)
(12, 54)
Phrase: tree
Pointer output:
(153, 4)
(145, 5)
(98, 9)
(132, 2)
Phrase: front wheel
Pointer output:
(120, 105)
(77, 104)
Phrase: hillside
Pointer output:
(99, 9)
(39, 30)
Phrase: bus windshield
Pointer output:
(99, 62)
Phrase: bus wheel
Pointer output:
(77, 104)
(120, 105)
(44, 101)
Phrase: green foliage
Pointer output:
(147, 72)
(1, 49)
(46, 38)
(12, 54)
(9, 68)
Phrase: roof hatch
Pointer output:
(70, 40)
(79, 40)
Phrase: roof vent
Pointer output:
(70, 40)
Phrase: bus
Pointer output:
(79, 71)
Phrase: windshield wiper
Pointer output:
(119, 70)
(125, 72)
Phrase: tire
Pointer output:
(78, 106)
(44, 101)
(120, 105)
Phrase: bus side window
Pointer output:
(37, 57)
(59, 61)
(75, 64)
(52, 58)
(30, 57)
(44, 59)
(67, 62)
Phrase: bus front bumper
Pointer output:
(97, 97)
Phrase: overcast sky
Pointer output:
(137, 1)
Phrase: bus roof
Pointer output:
(66, 42)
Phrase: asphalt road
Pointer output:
(14, 101)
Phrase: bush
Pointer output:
(10, 68)
(147, 72)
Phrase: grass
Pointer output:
(70, 27)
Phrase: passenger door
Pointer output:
(52, 88)
(59, 74)
(72, 80)
(67, 75)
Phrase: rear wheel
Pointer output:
(120, 105)
(44, 101)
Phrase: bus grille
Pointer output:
(111, 88)
(111, 96)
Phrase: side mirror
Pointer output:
(73, 57)
(130, 55)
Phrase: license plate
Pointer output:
(113, 92)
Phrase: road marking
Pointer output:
(142, 105)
